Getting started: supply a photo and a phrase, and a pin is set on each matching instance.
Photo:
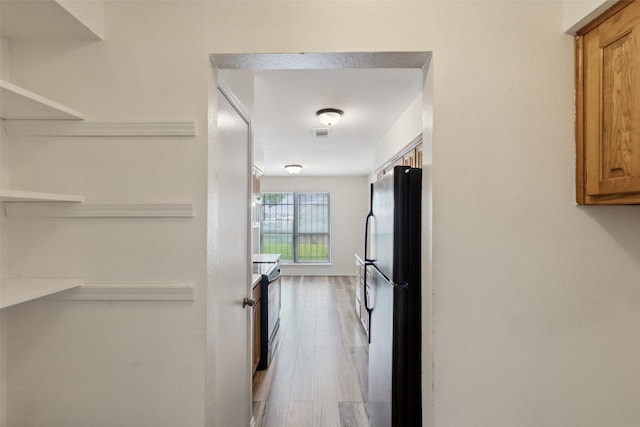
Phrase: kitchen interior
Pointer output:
(335, 131)
(542, 310)
(554, 324)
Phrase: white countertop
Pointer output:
(255, 279)
(265, 257)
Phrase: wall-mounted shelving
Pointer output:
(128, 292)
(51, 19)
(126, 209)
(71, 128)
(16, 291)
(33, 196)
(20, 103)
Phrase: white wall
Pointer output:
(3, 316)
(5, 59)
(535, 303)
(349, 206)
(90, 13)
(5, 74)
(240, 85)
(578, 13)
(404, 130)
(532, 320)
(108, 363)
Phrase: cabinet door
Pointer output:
(409, 159)
(612, 104)
(255, 183)
(419, 156)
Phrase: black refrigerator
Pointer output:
(392, 264)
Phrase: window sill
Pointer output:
(306, 264)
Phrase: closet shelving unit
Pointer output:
(31, 114)
(33, 196)
(22, 104)
(45, 19)
(19, 103)
(15, 291)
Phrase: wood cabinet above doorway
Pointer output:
(608, 108)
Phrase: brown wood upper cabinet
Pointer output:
(608, 108)
(411, 155)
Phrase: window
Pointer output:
(296, 225)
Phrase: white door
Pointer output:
(232, 339)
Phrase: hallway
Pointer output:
(319, 374)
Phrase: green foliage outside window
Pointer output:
(296, 225)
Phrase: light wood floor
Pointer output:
(319, 374)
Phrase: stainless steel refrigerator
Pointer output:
(392, 261)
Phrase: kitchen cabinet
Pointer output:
(411, 156)
(256, 173)
(256, 208)
(255, 349)
(608, 108)
(419, 159)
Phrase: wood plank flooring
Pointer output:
(318, 377)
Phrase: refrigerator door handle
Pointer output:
(366, 229)
(368, 262)
(366, 238)
(367, 303)
(367, 295)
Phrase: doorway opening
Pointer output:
(270, 90)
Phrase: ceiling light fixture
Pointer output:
(329, 116)
(293, 169)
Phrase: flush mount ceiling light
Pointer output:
(293, 169)
(329, 116)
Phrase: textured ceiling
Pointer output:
(281, 94)
(284, 116)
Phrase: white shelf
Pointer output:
(51, 19)
(19, 103)
(129, 292)
(16, 291)
(32, 196)
(126, 209)
(75, 128)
